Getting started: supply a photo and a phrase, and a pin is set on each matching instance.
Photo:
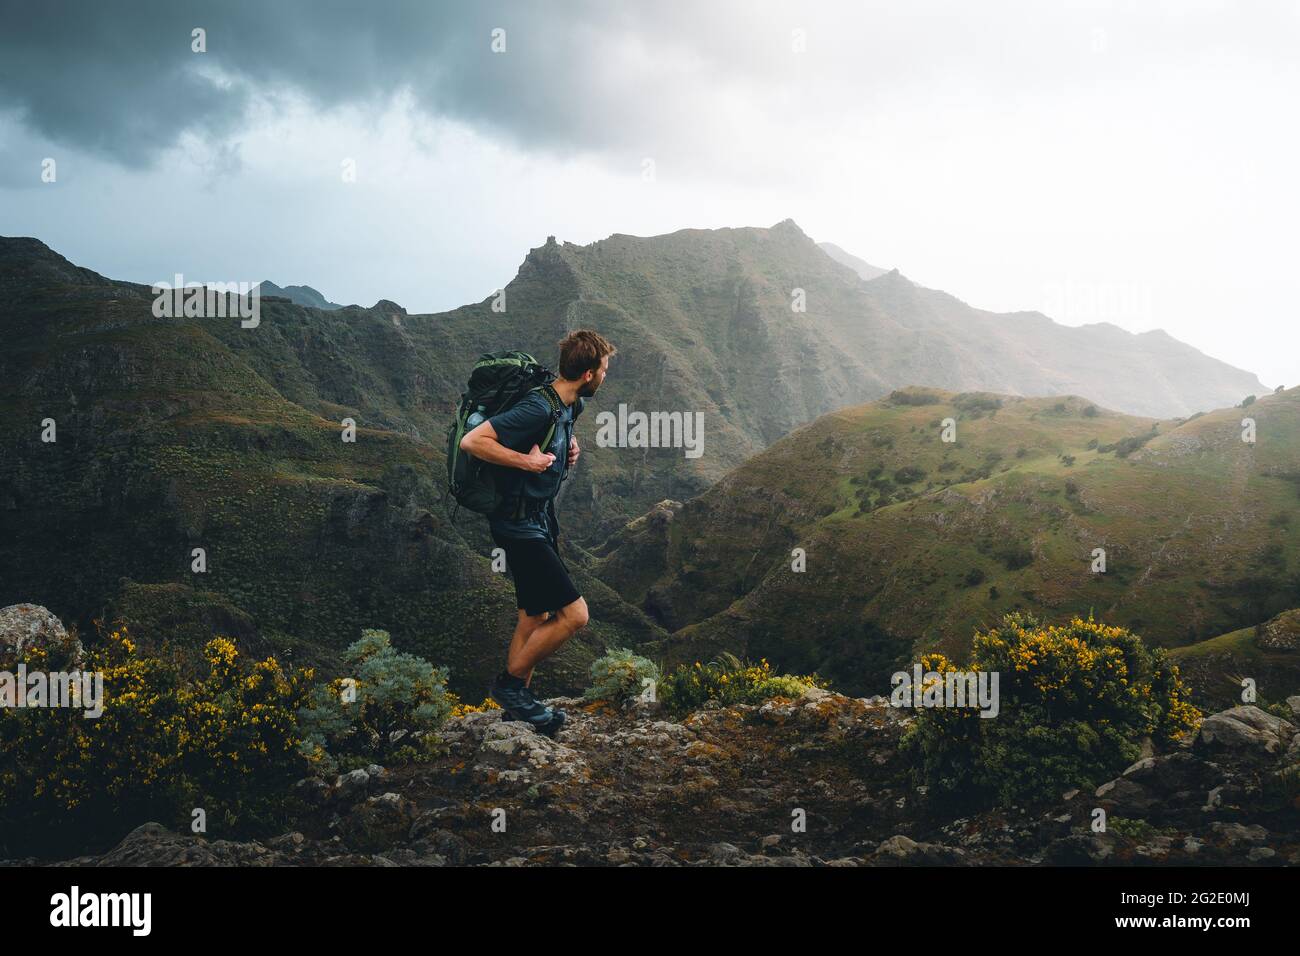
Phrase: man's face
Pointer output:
(597, 377)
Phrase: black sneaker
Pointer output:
(557, 721)
(519, 703)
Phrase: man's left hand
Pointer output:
(574, 451)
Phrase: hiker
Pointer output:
(527, 479)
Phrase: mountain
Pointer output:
(177, 434)
(298, 294)
(1026, 353)
(863, 268)
(911, 543)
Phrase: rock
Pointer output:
(351, 786)
(640, 707)
(23, 626)
(1294, 704)
(725, 853)
(447, 846)
(1236, 833)
(1280, 634)
(1125, 797)
(1170, 773)
(379, 822)
(900, 850)
(313, 791)
(1078, 849)
(515, 756)
(152, 844)
(1244, 732)
(1260, 854)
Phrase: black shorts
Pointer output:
(542, 582)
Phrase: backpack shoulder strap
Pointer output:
(557, 410)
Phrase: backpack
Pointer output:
(498, 381)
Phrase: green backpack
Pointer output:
(499, 380)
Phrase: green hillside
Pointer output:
(911, 543)
(1267, 653)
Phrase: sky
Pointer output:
(1132, 163)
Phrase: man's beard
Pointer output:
(588, 389)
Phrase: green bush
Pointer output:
(1075, 702)
(620, 674)
(729, 680)
(388, 710)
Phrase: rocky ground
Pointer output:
(727, 786)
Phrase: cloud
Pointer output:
(699, 87)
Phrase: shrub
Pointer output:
(1016, 557)
(908, 474)
(1091, 412)
(974, 577)
(1075, 702)
(620, 674)
(388, 711)
(729, 680)
(459, 708)
(224, 740)
(976, 403)
(914, 398)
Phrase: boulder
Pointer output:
(23, 626)
(1244, 732)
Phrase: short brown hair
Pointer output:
(581, 351)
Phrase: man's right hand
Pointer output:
(538, 461)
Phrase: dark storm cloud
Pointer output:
(679, 80)
(120, 78)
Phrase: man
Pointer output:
(550, 608)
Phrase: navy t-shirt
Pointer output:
(519, 428)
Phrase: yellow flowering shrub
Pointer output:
(1075, 702)
(459, 708)
(729, 680)
(166, 743)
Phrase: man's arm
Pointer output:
(483, 444)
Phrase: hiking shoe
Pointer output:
(556, 722)
(519, 703)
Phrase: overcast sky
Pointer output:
(1124, 162)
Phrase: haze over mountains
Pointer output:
(183, 433)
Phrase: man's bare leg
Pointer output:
(524, 627)
(546, 638)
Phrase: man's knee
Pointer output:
(575, 615)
